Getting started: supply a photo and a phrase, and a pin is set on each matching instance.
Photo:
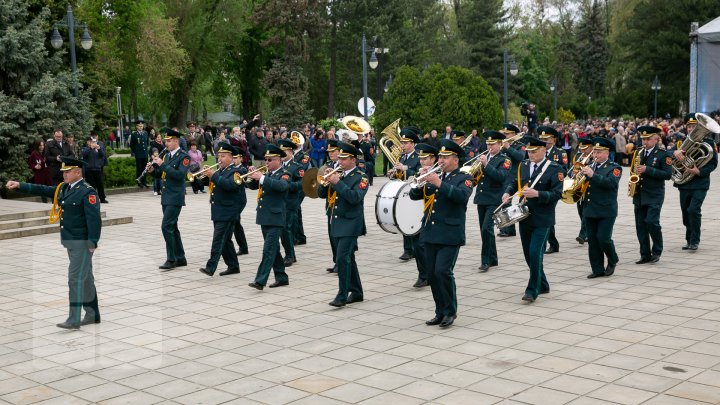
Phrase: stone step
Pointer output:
(31, 222)
(25, 215)
(54, 228)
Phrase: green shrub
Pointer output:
(120, 172)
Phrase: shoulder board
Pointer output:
(554, 164)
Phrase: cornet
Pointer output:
(244, 178)
(191, 176)
(323, 179)
(419, 181)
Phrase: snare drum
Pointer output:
(396, 212)
(510, 215)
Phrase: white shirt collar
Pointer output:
(73, 184)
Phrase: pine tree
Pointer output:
(592, 51)
(35, 89)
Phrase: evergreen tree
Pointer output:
(35, 98)
(592, 51)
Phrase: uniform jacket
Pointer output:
(297, 173)
(557, 155)
(139, 144)
(412, 161)
(444, 221)
(491, 186)
(651, 188)
(175, 170)
(600, 200)
(272, 201)
(331, 165)
(702, 181)
(223, 199)
(517, 154)
(302, 159)
(240, 195)
(347, 217)
(542, 208)
(80, 205)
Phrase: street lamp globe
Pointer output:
(552, 85)
(513, 68)
(373, 61)
(85, 41)
(56, 40)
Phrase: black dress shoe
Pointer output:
(89, 321)
(180, 263)
(528, 298)
(303, 242)
(593, 275)
(447, 321)
(643, 260)
(354, 298)
(420, 283)
(167, 265)
(435, 321)
(654, 258)
(337, 303)
(545, 291)
(551, 251)
(610, 270)
(289, 261)
(68, 325)
(242, 252)
(333, 269)
(693, 247)
(686, 247)
(502, 235)
(229, 272)
(580, 240)
(104, 202)
(484, 268)
(278, 284)
(405, 256)
(205, 271)
(256, 285)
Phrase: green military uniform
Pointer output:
(547, 178)
(240, 203)
(173, 171)
(293, 202)
(583, 143)
(368, 153)
(649, 197)
(139, 147)
(346, 223)
(80, 226)
(412, 161)
(600, 209)
(302, 159)
(271, 216)
(488, 195)
(224, 214)
(558, 156)
(443, 233)
(516, 153)
(331, 146)
(693, 192)
(424, 150)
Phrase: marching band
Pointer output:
(425, 200)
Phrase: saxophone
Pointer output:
(634, 176)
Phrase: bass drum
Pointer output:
(396, 212)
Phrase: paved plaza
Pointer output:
(650, 334)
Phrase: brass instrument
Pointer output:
(356, 124)
(323, 179)
(391, 146)
(514, 139)
(697, 152)
(634, 176)
(419, 181)
(241, 179)
(575, 187)
(310, 181)
(473, 167)
(466, 141)
(298, 139)
(191, 176)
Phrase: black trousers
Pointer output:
(488, 252)
(287, 237)
(533, 244)
(240, 235)
(552, 240)
(271, 257)
(81, 282)
(348, 274)
(94, 178)
(440, 266)
(408, 244)
(647, 226)
(222, 246)
(420, 259)
(173, 242)
(333, 241)
(691, 207)
(583, 226)
(140, 164)
(600, 243)
(300, 230)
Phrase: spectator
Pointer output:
(38, 165)
(237, 139)
(196, 164)
(111, 139)
(94, 157)
(257, 143)
(54, 149)
(620, 146)
(319, 146)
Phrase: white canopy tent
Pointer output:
(705, 67)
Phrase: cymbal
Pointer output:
(310, 183)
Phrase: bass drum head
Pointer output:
(408, 213)
(385, 206)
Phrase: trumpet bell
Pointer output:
(356, 124)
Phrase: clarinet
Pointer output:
(144, 172)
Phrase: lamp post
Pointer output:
(388, 83)
(373, 64)
(85, 41)
(513, 72)
(655, 87)
(553, 88)
(379, 51)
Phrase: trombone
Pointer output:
(191, 176)
(241, 179)
(419, 181)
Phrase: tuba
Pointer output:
(634, 176)
(390, 144)
(356, 124)
(298, 139)
(697, 152)
(577, 188)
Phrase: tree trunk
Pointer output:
(333, 69)
(133, 103)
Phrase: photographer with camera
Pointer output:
(528, 111)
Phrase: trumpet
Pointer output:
(419, 181)
(323, 179)
(191, 176)
(244, 178)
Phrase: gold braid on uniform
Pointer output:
(429, 202)
(55, 211)
(259, 192)
(331, 199)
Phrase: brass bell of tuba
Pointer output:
(697, 151)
